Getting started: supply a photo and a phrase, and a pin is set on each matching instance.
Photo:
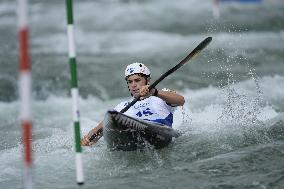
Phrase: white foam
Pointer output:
(238, 103)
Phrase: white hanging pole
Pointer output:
(216, 9)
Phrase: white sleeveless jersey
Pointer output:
(152, 109)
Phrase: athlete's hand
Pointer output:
(85, 141)
(145, 93)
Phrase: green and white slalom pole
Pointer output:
(25, 90)
(74, 91)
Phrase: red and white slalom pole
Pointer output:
(25, 90)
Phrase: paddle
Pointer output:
(192, 54)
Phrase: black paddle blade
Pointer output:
(198, 49)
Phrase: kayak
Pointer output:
(122, 132)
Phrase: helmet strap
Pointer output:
(147, 80)
(129, 90)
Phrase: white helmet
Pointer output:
(136, 68)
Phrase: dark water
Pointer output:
(232, 122)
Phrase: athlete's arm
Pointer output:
(85, 141)
(170, 97)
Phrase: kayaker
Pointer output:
(155, 105)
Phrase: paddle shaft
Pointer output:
(192, 54)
